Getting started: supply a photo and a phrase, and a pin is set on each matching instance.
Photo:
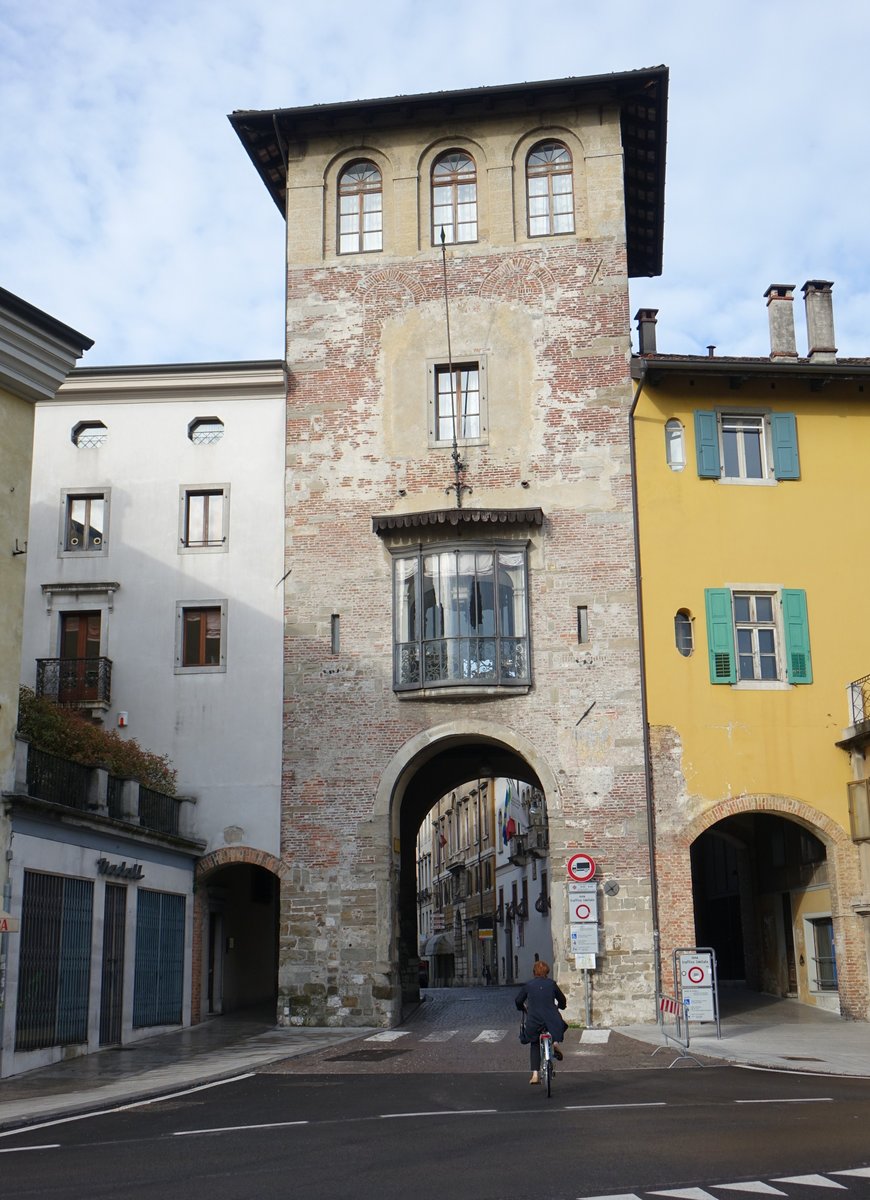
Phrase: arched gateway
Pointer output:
(766, 880)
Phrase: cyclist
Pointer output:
(540, 998)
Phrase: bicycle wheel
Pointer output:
(547, 1062)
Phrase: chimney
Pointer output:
(780, 314)
(646, 330)
(820, 321)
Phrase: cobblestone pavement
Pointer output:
(469, 1030)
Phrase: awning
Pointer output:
(439, 943)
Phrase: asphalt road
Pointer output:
(434, 1113)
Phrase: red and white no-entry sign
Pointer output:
(581, 868)
(696, 975)
(583, 912)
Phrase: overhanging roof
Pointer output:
(458, 518)
(641, 96)
(656, 367)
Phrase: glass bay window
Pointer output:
(461, 617)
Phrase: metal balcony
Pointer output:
(75, 682)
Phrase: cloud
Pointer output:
(130, 210)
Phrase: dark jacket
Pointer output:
(539, 997)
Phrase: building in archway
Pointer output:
(460, 596)
(753, 590)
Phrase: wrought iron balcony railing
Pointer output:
(57, 779)
(79, 682)
(859, 700)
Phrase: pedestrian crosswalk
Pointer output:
(758, 1187)
(588, 1036)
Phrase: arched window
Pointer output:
(675, 449)
(684, 634)
(360, 209)
(454, 198)
(550, 189)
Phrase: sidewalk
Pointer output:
(762, 1031)
(186, 1058)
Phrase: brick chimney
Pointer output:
(646, 330)
(820, 321)
(780, 314)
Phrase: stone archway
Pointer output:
(427, 767)
(239, 867)
(676, 907)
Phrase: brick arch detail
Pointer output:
(775, 805)
(230, 856)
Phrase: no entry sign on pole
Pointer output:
(581, 868)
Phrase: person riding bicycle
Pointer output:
(540, 998)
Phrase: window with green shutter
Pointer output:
(799, 667)
(720, 635)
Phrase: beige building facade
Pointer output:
(460, 597)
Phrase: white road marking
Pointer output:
(811, 1181)
(862, 1172)
(686, 1194)
(19, 1149)
(617, 1196)
(595, 1035)
(105, 1112)
(388, 1035)
(640, 1104)
(490, 1035)
(443, 1112)
(236, 1128)
(444, 1035)
(791, 1100)
(756, 1187)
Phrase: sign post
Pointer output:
(583, 918)
(697, 984)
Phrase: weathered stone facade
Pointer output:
(548, 318)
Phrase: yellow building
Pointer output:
(754, 591)
(36, 354)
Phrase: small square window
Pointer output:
(84, 523)
(200, 644)
(457, 402)
(205, 431)
(203, 518)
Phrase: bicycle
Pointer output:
(547, 1068)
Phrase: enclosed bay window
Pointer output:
(461, 617)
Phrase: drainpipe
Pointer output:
(647, 755)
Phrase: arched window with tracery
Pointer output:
(454, 198)
(360, 208)
(550, 189)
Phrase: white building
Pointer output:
(154, 605)
(522, 881)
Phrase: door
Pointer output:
(79, 652)
(112, 988)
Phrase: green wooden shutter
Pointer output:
(783, 428)
(720, 635)
(799, 667)
(707, 445)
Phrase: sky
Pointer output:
(130, 210)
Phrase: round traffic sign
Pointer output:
(696, 974)
(581, 868)
(582, 912)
